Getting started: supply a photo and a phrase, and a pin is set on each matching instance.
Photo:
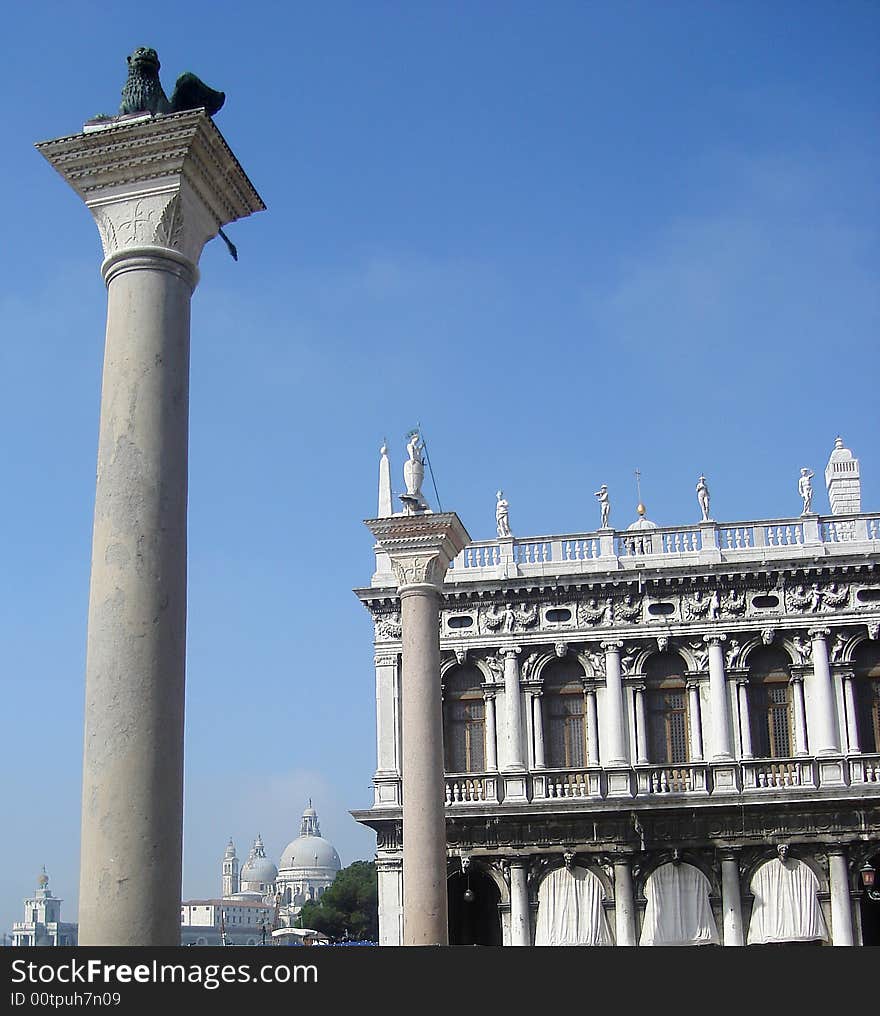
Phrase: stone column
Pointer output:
(696, 724)
(718, 699)
(826, 740)
(491, 736)
(800, 714)
(641, 726)
(592, 727)
(731, 898)
(513, 708)
(841, 900)
(158, 188)
(421, 547)
(614, 715)
(745, 723)
(624, 902)
(852, 726)
(520, 932)
(538, 724)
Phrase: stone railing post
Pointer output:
(158, 188)
(420, 547)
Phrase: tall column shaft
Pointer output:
(538, 723)
(801, 743)
(520, 931)
(614, 715)
(841, 900)
(420, 546)
(592, 728)
(696, 721)
(513, 709)
(491, 735)
(731, 900)
(718, 700)
(852, 726)
(624, 903)
(132, 815)
(641, 726)
(424, 821)
(745, 722)
(159, 188)
(826, 740)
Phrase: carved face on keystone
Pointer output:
(145, 60)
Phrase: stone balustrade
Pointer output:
(791, 777)
(715, 542)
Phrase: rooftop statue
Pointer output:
(414, 475)
(502, 515)
(604, 504)
(703, 497)
(805, 489)
(143, 91)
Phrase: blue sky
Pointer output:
(571, 239)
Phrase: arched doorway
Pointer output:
(477, 922)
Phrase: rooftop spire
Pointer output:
(385, 508)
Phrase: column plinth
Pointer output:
(158, 188)
(420, 548)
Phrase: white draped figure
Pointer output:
(786, 907)
(678, 910)
(570, 910)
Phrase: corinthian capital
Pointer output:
(421, 547)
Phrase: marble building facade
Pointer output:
(652, 735)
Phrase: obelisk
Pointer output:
(159, 187)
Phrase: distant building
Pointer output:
(654, 735)
(42, 924)
(257, 893)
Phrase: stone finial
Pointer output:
(843, 481)
(385, 504)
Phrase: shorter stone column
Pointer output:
(641, 726)
(800, 714)
(513, 708)
(852, 726)
(718, 699)
(745, 723)
(592, 726)
(841, 900)
(695, 725)
(826, 740)
(624, 902)
(613, 719)
(538, 725)
(520, 931)
(491, 735)
(731, 898)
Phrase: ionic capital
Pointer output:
(612, 646)
(819, 633)
(715, 639)
(510, 652)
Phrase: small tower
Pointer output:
(842, 480)
(230, 871)
(309, 824)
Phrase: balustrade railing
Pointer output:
(625, 548)
(471, 789)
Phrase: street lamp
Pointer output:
(868, 874)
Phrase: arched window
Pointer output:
(666, 703)
(866, 665)
(565, 728)
(770, 703)
(464, 721)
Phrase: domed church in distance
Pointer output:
(257, 897)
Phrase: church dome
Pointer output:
(310, 850)
(258, 868)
